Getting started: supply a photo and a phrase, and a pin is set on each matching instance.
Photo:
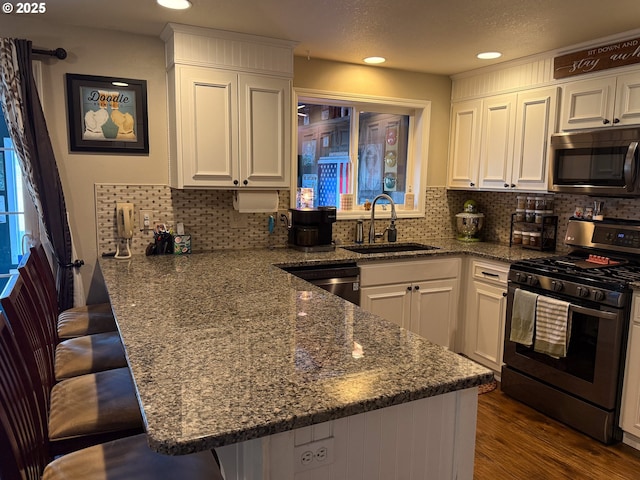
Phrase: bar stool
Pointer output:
(25, 455)
(78, 355)
(83, 410)
(76, 321)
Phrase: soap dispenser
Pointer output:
(392, 233)
(359, 232)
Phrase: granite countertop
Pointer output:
(226, 346)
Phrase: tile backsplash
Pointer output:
(213, 224)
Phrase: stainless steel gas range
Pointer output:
(582, 385)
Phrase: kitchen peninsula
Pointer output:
(229, 351)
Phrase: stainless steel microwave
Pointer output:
(596, 162)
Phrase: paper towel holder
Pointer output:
(256, 201)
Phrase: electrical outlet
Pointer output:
(313, 455)
(146, 220)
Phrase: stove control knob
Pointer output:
(531, 280)
(598, 295)
(557, 285)
(583, 292)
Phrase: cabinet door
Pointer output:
(464, 148)
(392, 302)
(630, 410)
(265, 115)
(496, 151)
(207, 126)
(588, 103)
(536, 120)
(434, 307)
(484, 324)
(627, 110)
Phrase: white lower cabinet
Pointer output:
(630, 413)
(485, 312)
(419, 295)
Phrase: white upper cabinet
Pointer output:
(501, 142)
(600, 102)
(229, 109)
(496, 144)
(464, 147)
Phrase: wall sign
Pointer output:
(626, 52)
(107, 114)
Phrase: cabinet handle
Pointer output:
(235, 182)
(506, 185)
(504, 294)
(489, 274)
(605, 121)
(471, 184)
(409, 289)
(513, 185)
(616, 120)
(417, 287)
(245, 182)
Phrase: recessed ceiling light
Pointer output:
(175, 4)
(489, 55)
(374, 60)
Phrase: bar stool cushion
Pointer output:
(131, 458)
(97, 402)
(89, 354)
(86, 320)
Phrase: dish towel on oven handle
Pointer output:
(553, 326)
(523, 317)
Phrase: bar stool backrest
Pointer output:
(31, 334)
(23, 433)
(36, 282)
(43, 269)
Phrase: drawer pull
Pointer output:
(489, 274)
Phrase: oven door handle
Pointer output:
(629, 168)
(594, 313)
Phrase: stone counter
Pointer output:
(225, 347)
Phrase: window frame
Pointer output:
(419, 112)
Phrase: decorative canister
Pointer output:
(541, 203)
(526, 237)
(521, 202)
(539, 214)
(520, 215)
(531, 203)
(535, 239)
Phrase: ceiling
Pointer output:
(434, 36)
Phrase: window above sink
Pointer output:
(353, 147)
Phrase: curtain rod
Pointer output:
(59, 53)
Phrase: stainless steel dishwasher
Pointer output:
(342, 279)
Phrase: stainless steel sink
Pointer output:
(389, 248)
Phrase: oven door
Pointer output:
(591, 370)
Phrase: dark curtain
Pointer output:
(28, 130)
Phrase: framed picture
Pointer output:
(107, 114)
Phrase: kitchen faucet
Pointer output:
(393, 234)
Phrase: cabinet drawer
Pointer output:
(489, 271)
(387, 273)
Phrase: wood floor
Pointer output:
(514, 441)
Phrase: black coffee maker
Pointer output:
(311, 229)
